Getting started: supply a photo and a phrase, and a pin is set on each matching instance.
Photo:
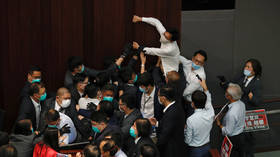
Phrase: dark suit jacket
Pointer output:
(135, 150)
(27, 111)
(98, 137)
(83, 128)
(158, 108)
(25, 90)
(254, 86)
(170, 132)
(128, 121)
(68, 80)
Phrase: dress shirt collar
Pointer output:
(56, 106)
(168, 106)
(137, 139)
(35, 103)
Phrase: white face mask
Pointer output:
(65, 103)
(159, 101)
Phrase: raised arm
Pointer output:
(152, 21)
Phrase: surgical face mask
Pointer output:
(135, 79)
(36, 80)
(142, 90)
(52, 126)
(43, 97)
(32, 130)
(247, 72)
(95, 129)
(120, 109)
(108, 98)
(132, 132)
(159, 101)
(65, 103)
(194, 66)
(83, 69)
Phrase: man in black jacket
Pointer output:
(170, 129)
(64, 104)
(30, 107)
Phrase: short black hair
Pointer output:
(91, 91)
(126, 74)
(148, 150)
(74, 62)
(33, 68)
(202, 53)
(107, 87)
(143, 127)
(117, 137)
(174, 33)
(257, 67)
(35, 88)
(199, 99)
(110, 146)
(107, 107)
(22, 127)
(99, 117)
(91, 151)
(145, 79)
(52, 115)
(168, 92)
(8, 151)
(80, 77)
(102, 79)
(128, 100)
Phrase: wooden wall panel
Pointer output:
(47, 32)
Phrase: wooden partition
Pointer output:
(46, 32)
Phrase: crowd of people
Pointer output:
(164, 110)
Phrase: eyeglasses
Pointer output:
(198, 62)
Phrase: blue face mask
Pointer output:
(43, 97)
(32, 130)
(95, 129)
(132, 132)
(246, 72)
(52, 126)
(36, 80)
(83, 69)
(135, 79)
(108, 98)
(142, 90)
(194, 66)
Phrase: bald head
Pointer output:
(172, 76)
(62, 91)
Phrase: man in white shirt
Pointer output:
(199, 124)
(192, 69)
(234, 120)
(168, 51)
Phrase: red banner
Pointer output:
(256, 120)
(226, 147)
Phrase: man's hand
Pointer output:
(153, 121)
(158, 62)
(136, 19)
(135, 45)
(203, 85)
(65, 129)
(250, 95)
(119, 61)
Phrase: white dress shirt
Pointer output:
(70, 137)
(234, 120)
(168, 51)
(193, 83)
(248, 80)
(147, 104)
(120, 153)
(173, 102)
(199, 124)
(37, 107)
(83, 102)
(58, 108)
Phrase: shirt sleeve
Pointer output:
(193, 85)
(184, 61)
(228, 125)
(208, 105)
(162, 52)
(188, 132)
(155, 22)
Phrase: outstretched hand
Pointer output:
(136, 19)
(203, 85)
